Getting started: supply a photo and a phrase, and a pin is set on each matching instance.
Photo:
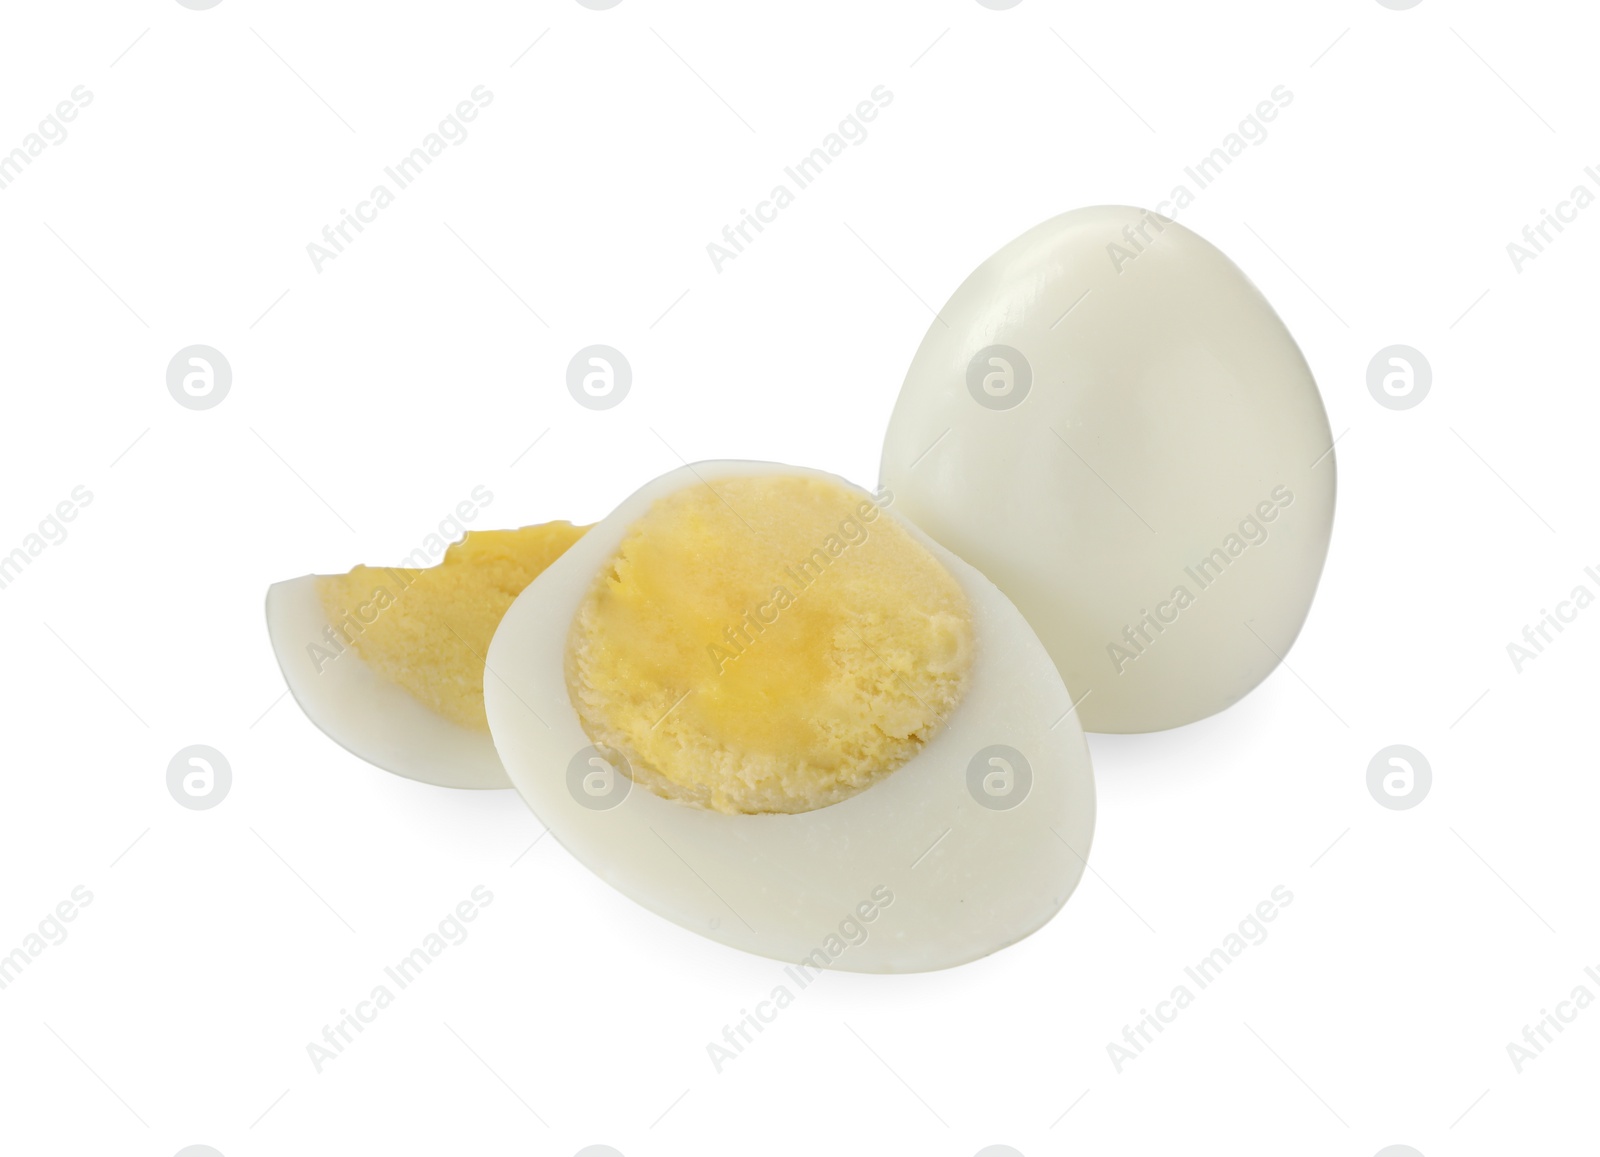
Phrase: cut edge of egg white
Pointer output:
(367, 714)
(925, 869)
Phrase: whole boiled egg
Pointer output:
(1111, 423)
(765, 706)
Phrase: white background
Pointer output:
(371, 397)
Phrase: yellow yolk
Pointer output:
(428, 630)
(769, 643)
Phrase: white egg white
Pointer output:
(1103, 406)
(962, 878)
(363, 712)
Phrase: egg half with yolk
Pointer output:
(764, 706)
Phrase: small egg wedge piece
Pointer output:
(388, 661)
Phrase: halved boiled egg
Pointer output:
(765, 707)
(388, 661)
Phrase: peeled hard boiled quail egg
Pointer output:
(1109, 420)
(388, 661)
(765, 707)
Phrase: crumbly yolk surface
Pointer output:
(768, 643)
(429, 629)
